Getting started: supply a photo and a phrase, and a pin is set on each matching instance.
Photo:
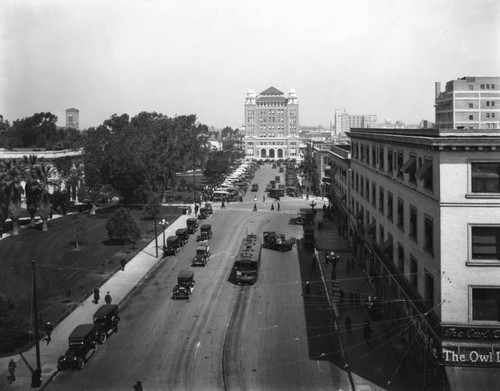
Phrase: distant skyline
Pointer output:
(200, 57)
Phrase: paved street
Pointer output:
(267, 336)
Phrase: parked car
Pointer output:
(106, 321)
(203, 214)
(82, 344)
(255, 187)
(183, 235)
(172, 247)
(185, 285)
(192, 225)
(208, 207)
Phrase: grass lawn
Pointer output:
(66, 274)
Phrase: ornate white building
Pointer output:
(272, 125)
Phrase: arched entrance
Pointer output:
(280, 153)
(271, 153)
(263, 153)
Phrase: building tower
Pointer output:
(72, 118)
(271, 125)
(468, 103)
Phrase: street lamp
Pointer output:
(163, 224)
(313, 204)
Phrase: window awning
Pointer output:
(410, 164)
(425, 170)
(386, 246)
(469, 378)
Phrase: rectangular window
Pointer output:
(381, 158)
(399, 165)
(367, 189)
(413, 223)
(389, 160)
(381, 199)
(410, 167)
(486, 304)
(471, 87)
(471, 106)
(482, 86)
(485, 177)
(485, 242)
(401, 259)
(428, 234)
(374, 194)
(425, 173)
(487, 103)
(374, 156)
(429, 288)
(413, 272)
(381, 234)
(389, 206)
(471, 117)
(401, 215)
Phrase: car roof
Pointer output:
(185, 274)
(206, 226)
(81, 331)
(105, 310)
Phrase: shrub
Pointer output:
(122, 226)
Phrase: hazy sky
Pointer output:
(201, 56)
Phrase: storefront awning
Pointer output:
(425, 170)
(470, 378)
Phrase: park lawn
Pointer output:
(66, 275)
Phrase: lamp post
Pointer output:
(322, 185)
(313, 204)
(163, 224)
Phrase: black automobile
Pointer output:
(183, 235)
(208, 208)
(185, 285)
(203, 214)
(106, 321)
(205, 232)
(255, 187)
(82, 344)
(172, 247)
(192, 225)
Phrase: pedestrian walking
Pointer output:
(123, 262)
(223, 205)
(255, 207)
(138, 386)
(272, 206)
(48, 330)
(278, 206)
(324, 208)
(241, 199)
(263, 198)
(196, 209)
(12, 370)
(107, 298)
(97, 296)
(367, 331)
(348, 323)
(308, 288)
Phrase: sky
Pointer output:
(200, 57)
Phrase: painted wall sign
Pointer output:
(471, 356)
(471, 333)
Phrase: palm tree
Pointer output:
(12, 177)
(32, 187)
(44, 174)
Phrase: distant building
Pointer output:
(271, 125)
(468, 103)
(343, 121)
(73, 118)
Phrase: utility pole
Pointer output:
(36, 376)
(156, 233)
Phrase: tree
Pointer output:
(45, 174)
(12, 174)
(122, 226)
(32, 187)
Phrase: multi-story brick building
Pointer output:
(468, 103)
(271, 125)
(424, 214)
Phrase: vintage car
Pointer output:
(192, 225)
(208, 207)
(255, 187)
(172, 247)
(82, 344)
(185, 285)
(106, 321)
(202, 254)
(183, 235)
(205, 232)
(203, 214)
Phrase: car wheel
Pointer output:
(80, 364)
(102, 337)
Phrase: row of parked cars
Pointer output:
(84, 338)
(236, 184)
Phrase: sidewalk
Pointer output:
(119, 286)
(372, 364)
